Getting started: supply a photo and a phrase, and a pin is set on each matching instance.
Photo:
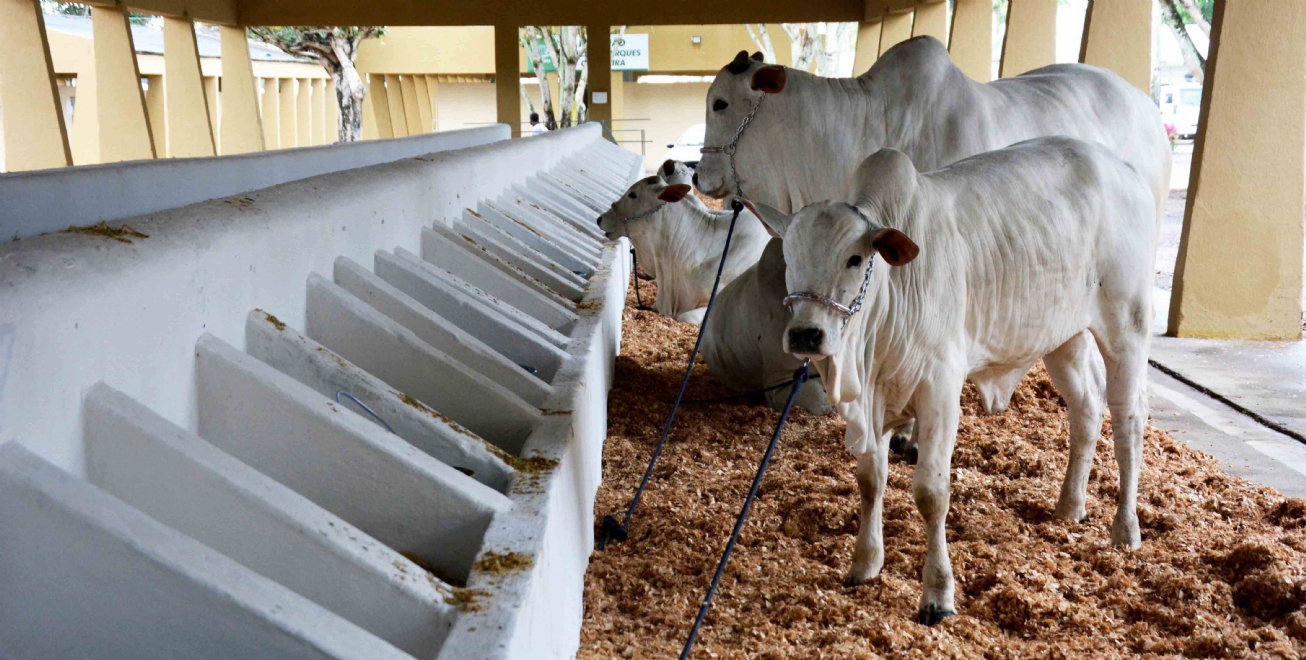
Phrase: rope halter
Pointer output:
(732, 146)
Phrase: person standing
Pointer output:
(536, 126)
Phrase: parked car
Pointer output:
(1181, 106)
(687, 149)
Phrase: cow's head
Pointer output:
(674, 172)
(828, 247)
(639, 204)
(736, 90)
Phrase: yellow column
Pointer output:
(35, 135)
(423, 103)
(868, 46)
(507, 76)
(932, 19)
(896, 29)
(1118, 36)
(155, 110)
(190, 129)
(380, 106)
(319, 111)
(600, 72)
(433, 91)
(971, 39)
(125, 132)
(213, 95)
(86, 119)
(412, 115)
(304, 113)
(241, 129)
(270, 114)
(1031, 39)
(1239, 272)
(288, 131)
(618, 100)
(333, 113)
(394, 91)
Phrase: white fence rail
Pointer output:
(230, 438)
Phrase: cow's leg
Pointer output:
(1074, 370)
(1125, 355)
(872, 475)
(938, 409)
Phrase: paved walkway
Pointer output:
(1266, 378)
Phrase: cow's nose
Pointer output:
(806, 340)
(695, 179)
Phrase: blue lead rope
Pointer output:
(800, 377)
(612, 529)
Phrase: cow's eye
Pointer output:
(631, 195)
(854, 261)
(719, 105)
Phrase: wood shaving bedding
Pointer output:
(1222, 572)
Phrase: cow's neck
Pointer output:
(687, 243)
(826, 126)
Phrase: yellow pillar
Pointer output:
(507, 76)
(319, 111)
(433, 91)
(896, 29)
(86, 119)
(1118, 36)
(213, 95)
(155, 110)
(241, 129)
(190, 130)
(332, 113)
(618, 99)
(932, 19)
(423, 103)
(1239, 271)
(124, 130)
(600, 72)
(380, 106)
(35, 135)
(970, 41)
(1031, 39)
(868, 46)
(304, 113)
(394, 91)
(288, 130)
(412, 116)
(270, 114)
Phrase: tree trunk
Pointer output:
(762, 39)
(349, 91)
(1192, 59)
(534, 35)
(1195, 13)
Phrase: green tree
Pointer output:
(335, 48)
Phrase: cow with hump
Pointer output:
(787, 138)
(682, 239)
(1037, 251)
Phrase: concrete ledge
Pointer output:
(196, 488)
(50, 200)
(89, 577)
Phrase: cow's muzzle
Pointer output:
(806, 341)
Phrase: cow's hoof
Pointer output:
(932, 614)
(912, 454)
(898, 443)
(1124, 532)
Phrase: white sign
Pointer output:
(629, 52)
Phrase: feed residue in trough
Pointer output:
(121, 233)
(500, 563)
(1222, 571)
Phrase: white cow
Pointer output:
(807, 134)
(1035, 251)
(679, 240)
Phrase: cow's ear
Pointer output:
(895, 247)
(775, 221)
(758, 57)
(769, 79)
(674, 193)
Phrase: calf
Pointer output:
(680, 240)
(1039, 250)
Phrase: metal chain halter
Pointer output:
(846, 310)
(732, 146)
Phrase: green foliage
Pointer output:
(1207, 8)
(315, 42)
